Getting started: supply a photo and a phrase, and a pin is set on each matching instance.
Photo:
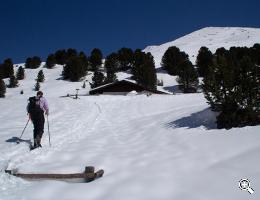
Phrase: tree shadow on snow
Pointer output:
(174, 89)
(206, 118)
(18, 140)
(161, 70)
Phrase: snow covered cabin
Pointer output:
(122, 87)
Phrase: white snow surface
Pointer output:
(211, 37)
(157, 147)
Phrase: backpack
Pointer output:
(33, 106)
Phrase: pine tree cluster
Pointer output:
(51, 61)
(177, 62)
(122, 60)
(232, 86)
(95, 60)
(141, 65)
(125, 59)
(98, 79)
(187, 77)
(143, 69)
(76, 67)
(6, 69)
(172, 59)
(61, 57)
(33, 62)
(204, 60)
(111, 66)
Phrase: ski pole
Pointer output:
(49, 131)
(24, 129)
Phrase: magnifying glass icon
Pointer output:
(244, 184)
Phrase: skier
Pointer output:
(36, 108)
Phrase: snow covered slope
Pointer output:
(212, 37)
(157, 147)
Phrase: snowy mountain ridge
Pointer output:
(211, 37)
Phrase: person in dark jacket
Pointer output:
(36, 108)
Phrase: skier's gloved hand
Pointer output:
(47, 112)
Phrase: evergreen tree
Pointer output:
(7, 68)
(216, 82)
(61, 57)
(84, 59)
(70, 54)
(248, 93)
(204, 60)
(111, 77)
(125, 58)
(232, 87)
(28, 63)
(37, 86)
(13, 82)
(20, 73)
(139, 58)
(143, 70)
(74, 69)
(98, 79)
(36, 61)
(172, 59)
(33, 63)
(149, 78)
(188, 77)
(111, 66)
(40, 76)
(51, 61)
(2, 89)
(95, 59)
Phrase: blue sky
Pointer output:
(39, 27)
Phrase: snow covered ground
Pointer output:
(157, 147)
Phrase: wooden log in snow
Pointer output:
(89, 169)
(87, 176)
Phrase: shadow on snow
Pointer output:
(18, 140)
(205, 118)
(174, 89)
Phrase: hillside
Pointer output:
(157, 147)
(212, 37)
